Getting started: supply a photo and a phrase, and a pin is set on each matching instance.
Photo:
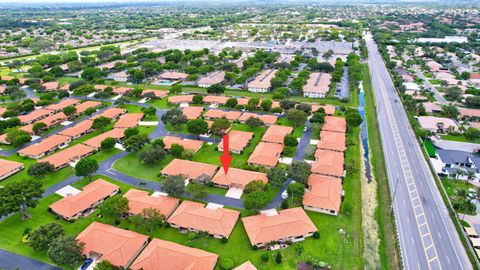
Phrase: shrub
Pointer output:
(278, 258)
(265, 257)
(224, 240)
(316, 235)
(192, 236)
(226, 264)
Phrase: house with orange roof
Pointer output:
(99, 87)
(58, 107)
(262, 83)
(2, 111)
(329, 109)
(173, 76)
(287, 225)
(65, 87)
(245, 266)
(154, 93)
(191, 145)
(96, 142)
(276, 134)
(317, 85)
(106, 242)
(50, 86)
(72, 154)
(242, 101)
(139, 200)
(192, 112)
(189, 169)
(211, 79)
(82, 128)
(129, 120)
(111, 64)
(333, 141)
(328, 163)
(166, 255)
(237, 178)
(112, 113)
(82, 107)
(180, 99)
(194, 216)
(218, 100)
(45, 147)
(86, 201)
(122, 90)
(50, 121)
(238, 140)
(2, 89)
(469, 114)
(34, 115)
(8, 168)
(267, 119)
(216, 113)
(324, 194)
(266, 154)
(335, 124)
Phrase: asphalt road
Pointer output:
(427, 236)
(430, 86)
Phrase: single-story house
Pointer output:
(34, 115)
(8, 168)
(189, 169)
(96, 142)
(139, 200)
(72, 154)
(192, 112)
(237, 178)
(58, 107)
(82, 107)
(112, 113)
(194, 216)
(238, 140)
(324, 194)
(129, 120)
(50, 86)
(211, 79)
(173, 76)
(216, 113)
(276, 134)
(50, 121)
(437, 124)
(317, 85)
(267, 119)
(262, 83)
(180, 99)
(266, 154)
(334, 141)
(335, 124)
(328, 163)
(155, 93)
(457, 164)
(218, 100)
(45, 147)
(191, 145)
(82, 128)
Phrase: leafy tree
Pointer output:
(149, 111)
(149, 220)
(43, 236)
(297, 117)
(70, 110)
(255, 185)
(256, 200)
(197, 190)
(129, 132)
(197, 126)
(197, 99)
(176, 89)
(151, 153)
(254, 122)
(231, 102)
(353, 118)
(38, 126)
(65, 250)
(174, 117)
(278, 258)
(92, 73)
(472, 134)
(136, 142)
(176, 150)
(114, 208)
(307, 108)
(254, 101)
(287, 104)
(317, 117)
(219, 126)
(226, 264)
(106, 265)
(295, 191)
(299, 171)
(18, 196)
(40, 169)
(276, 176)
(290, 140)
(86, 167)
(216, 89)
(450, 111)
(101, 123)
(108, 143)
(266, 104)
(173, 185)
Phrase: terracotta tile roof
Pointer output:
(324, 192)
(129, 120)
(288, 223)
(192, 112)
(111, 113)
(2, 89)
(266, 154)
(122, 90)
(78, 129)
(180, 99)
(165, 255)
(48, 144)
(245, 266)
(189, 169)
(118, 246)
(211, 99)
(50, 86)
(194, 215)
(318, 83)
(212, 78)
(192, 145)
(238, 177)
(100, 87)
(7, 166)
(68, 155)
(238, 140)
(156, 93)
(336, 124)
(328, 163)
(466, 112)
(34, 115)
(81, 108)
(329, 109)
(62, 104)
(474, 76)
(242, 101)
(172, 75)
(263, 80)
(2, 111)
(275, 134)
(330, 140)
(65, 87)
(92, 193)
(139, 200)
(268, 119)
(216, 113)
(49, 121)
(96, 142)
(110, 64)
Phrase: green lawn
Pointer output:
(430, 148)
(297, 131)
(435, 81)
(458, 138)
(131, 165)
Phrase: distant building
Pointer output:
(317, 85)
(262, 82)
(211, 79)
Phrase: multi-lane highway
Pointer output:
(427, 236)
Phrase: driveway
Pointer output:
(234, 192)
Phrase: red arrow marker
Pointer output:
(225, 158)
